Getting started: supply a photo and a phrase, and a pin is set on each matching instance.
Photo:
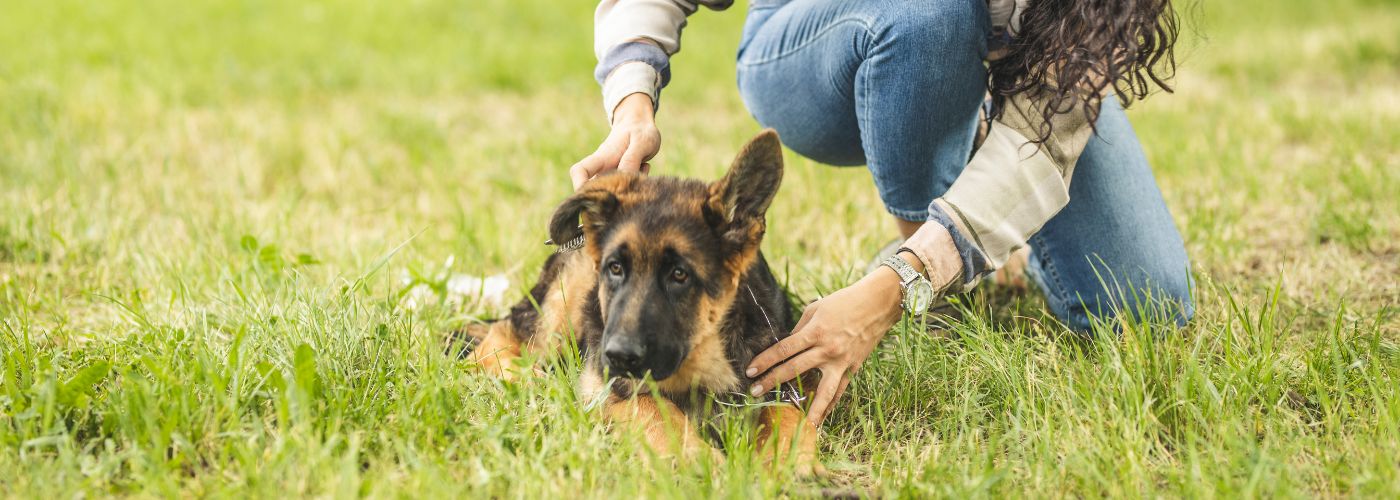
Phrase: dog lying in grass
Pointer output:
(668, 297)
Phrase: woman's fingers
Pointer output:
(585, 169)
(633, 158)
(808, 360)
(826, 393)
(807, 313)
(840, 391)
(799, 341)
(609, 154)
(624, 149)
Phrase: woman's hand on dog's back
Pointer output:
(634, 140)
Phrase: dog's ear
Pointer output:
(589, 209)
(740, 199)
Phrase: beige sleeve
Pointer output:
(1012, 186)
(627, 79)
(620, 21)
(658, 22)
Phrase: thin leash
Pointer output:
(791, 395)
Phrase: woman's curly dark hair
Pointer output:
(1067, 52)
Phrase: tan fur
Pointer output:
(742, 260)
(562, 310)
(498, 350)
(786, 436)
(591, 385)
(665, 428)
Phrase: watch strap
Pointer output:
(905, 271)
(919, 258)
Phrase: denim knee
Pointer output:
(1156, 296)
(1163, 296)
(891, 84)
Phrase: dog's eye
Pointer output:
(615, 268)
(679, 275)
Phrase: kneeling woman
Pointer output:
(1059, 181)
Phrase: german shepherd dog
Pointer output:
(668, 299)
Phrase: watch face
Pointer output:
(918, 296)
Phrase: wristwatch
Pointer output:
(918, 292)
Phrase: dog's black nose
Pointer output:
(624, 358)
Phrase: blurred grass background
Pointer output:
(195, 191)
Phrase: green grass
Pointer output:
(206, 209)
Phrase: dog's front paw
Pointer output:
(810, 468)
(788, 439)
(683, 455)
(697, 451)
(684, 448)
(804, 465)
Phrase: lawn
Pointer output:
(210, 211)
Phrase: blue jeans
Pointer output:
(896, 85)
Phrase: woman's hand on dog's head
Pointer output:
(633, 141)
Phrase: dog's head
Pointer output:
(669, 254)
